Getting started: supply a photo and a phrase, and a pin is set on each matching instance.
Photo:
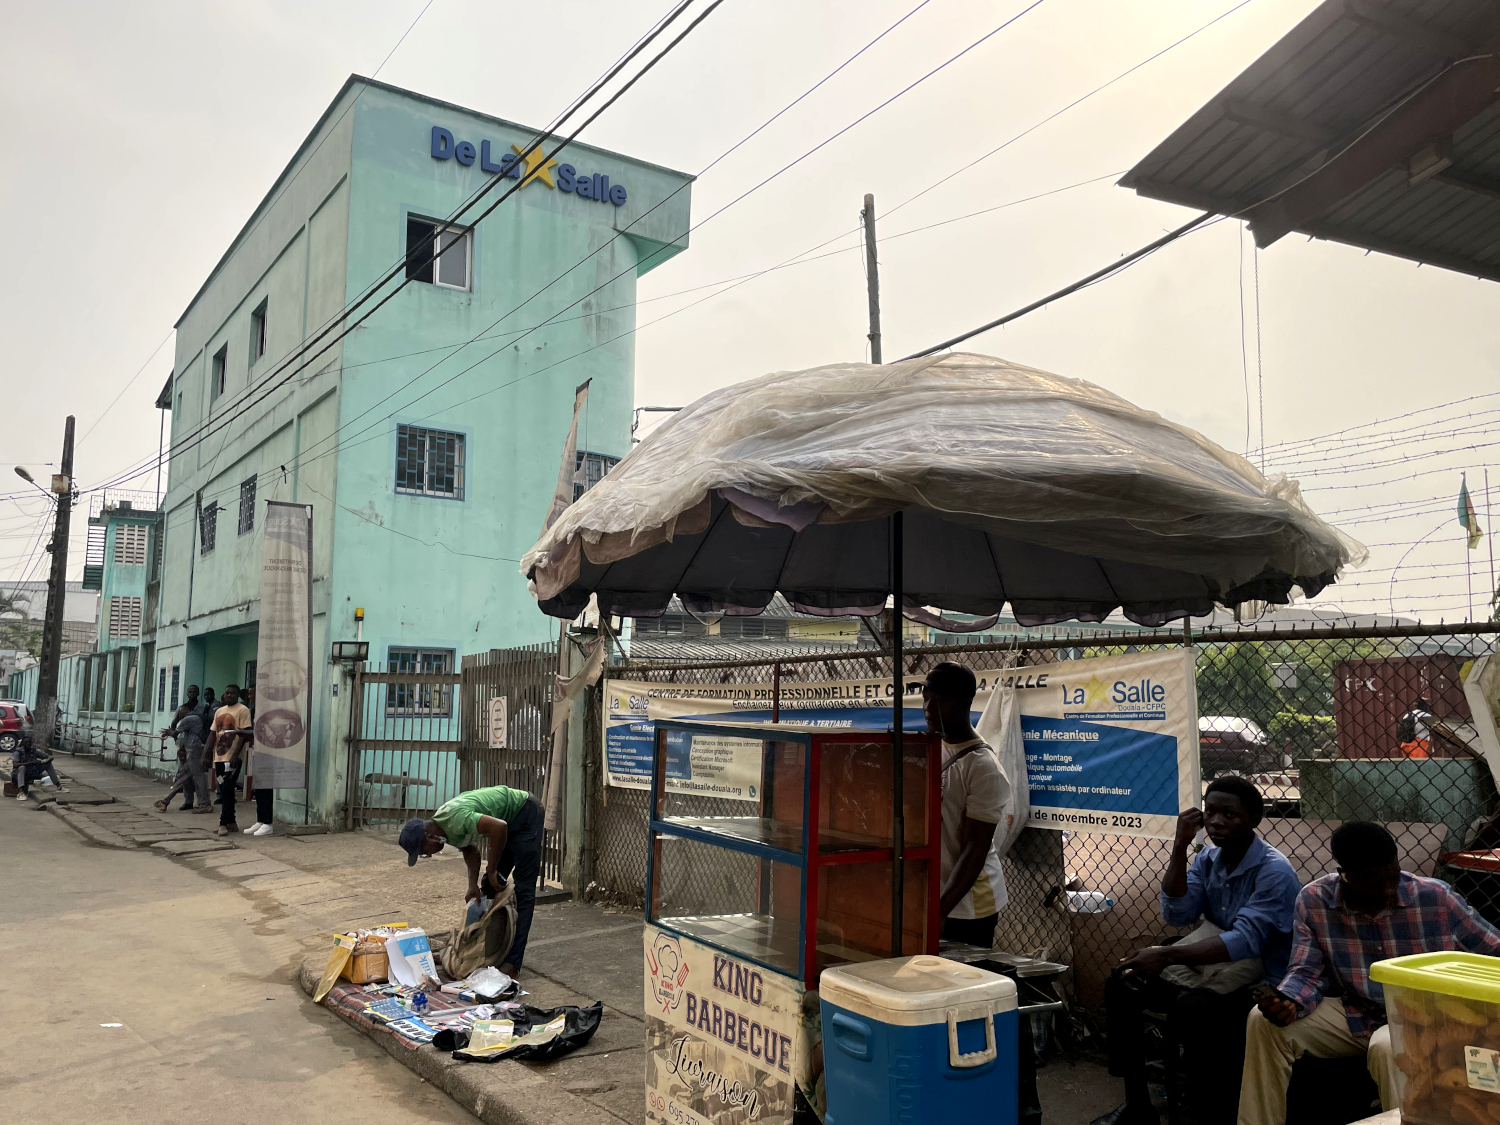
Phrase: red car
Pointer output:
(15, 721)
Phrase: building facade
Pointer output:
(427, 440)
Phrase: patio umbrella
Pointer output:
(961, 482)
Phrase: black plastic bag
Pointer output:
(578, 1028)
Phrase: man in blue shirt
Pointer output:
(1246, 891)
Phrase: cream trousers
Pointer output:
(1323, 1033)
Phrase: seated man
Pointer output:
(30, 764)
(1246, 890)
(1327, 1005)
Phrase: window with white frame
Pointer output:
(429, 462)
(130, 544)
(438, 254)
(257, 333)
(219, 375)
(124, 616)
(417, 698)
(247, 506)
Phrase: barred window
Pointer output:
(419, 698)
(247, 506)
(130, 544)
(161, 691)
(589, 470)
(429, 462)
(124, 616)
(208, 528)
(176, 686)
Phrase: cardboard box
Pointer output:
(368, 963)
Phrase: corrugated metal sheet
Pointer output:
(1314, 92)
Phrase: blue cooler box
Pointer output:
(918, 1039)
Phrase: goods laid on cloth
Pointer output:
(540, 1034)
(1444, 1010)
(1018, 487)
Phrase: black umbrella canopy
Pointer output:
(1047, 494)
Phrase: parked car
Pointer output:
(1230, 744)
(15, 721)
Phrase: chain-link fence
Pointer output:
(1331, 724)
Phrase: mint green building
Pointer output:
(427, 441)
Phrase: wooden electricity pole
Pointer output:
(872, 277)
(44, 722)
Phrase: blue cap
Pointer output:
(413, 832)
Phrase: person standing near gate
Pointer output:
(227, 740)
(512, 823)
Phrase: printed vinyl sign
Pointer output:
(722, 1036)
(283, 651)
(1111, 742)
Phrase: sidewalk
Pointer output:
(309, 887)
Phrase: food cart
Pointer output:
(744, 912)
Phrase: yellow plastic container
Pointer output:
(1444, 1010)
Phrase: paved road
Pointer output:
(198, 977)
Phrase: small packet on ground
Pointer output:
(543, 1033)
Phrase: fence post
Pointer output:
(574, 788)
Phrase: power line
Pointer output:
(391, 274)
(303, 460)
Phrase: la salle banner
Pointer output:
(284, 649)
(1111, 742)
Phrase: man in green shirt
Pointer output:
(512, 822)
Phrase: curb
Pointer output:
(502, 1093)
(88, 829)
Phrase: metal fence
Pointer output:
(506, 731)
(419, 738)
(1315, 717)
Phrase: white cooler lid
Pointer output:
(911, 988)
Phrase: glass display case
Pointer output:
(802, 878)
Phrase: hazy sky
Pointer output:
(137, 139)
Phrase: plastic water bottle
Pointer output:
(419, 1004)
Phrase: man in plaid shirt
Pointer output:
(1327, 1005)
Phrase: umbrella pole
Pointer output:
(898, 776)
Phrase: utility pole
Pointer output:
(872, 277)
(57, 596)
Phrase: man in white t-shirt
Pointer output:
(975, 791)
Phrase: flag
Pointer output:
(1468, 518)
(569, 468)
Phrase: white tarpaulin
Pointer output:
(1021, 488)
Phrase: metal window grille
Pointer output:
(124, 616)
(429, 462)
(176, 685)
(208, 528)
(161, 691)
(247, 506)
(416, 698)
(130, 544)
(589, 469)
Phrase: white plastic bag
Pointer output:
(1000, 726)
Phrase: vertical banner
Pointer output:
(283, 672)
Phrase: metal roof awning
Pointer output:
(1375, 124)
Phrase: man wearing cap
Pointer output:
(511, 821)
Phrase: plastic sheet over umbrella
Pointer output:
(1020, 488)
(961, 482)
